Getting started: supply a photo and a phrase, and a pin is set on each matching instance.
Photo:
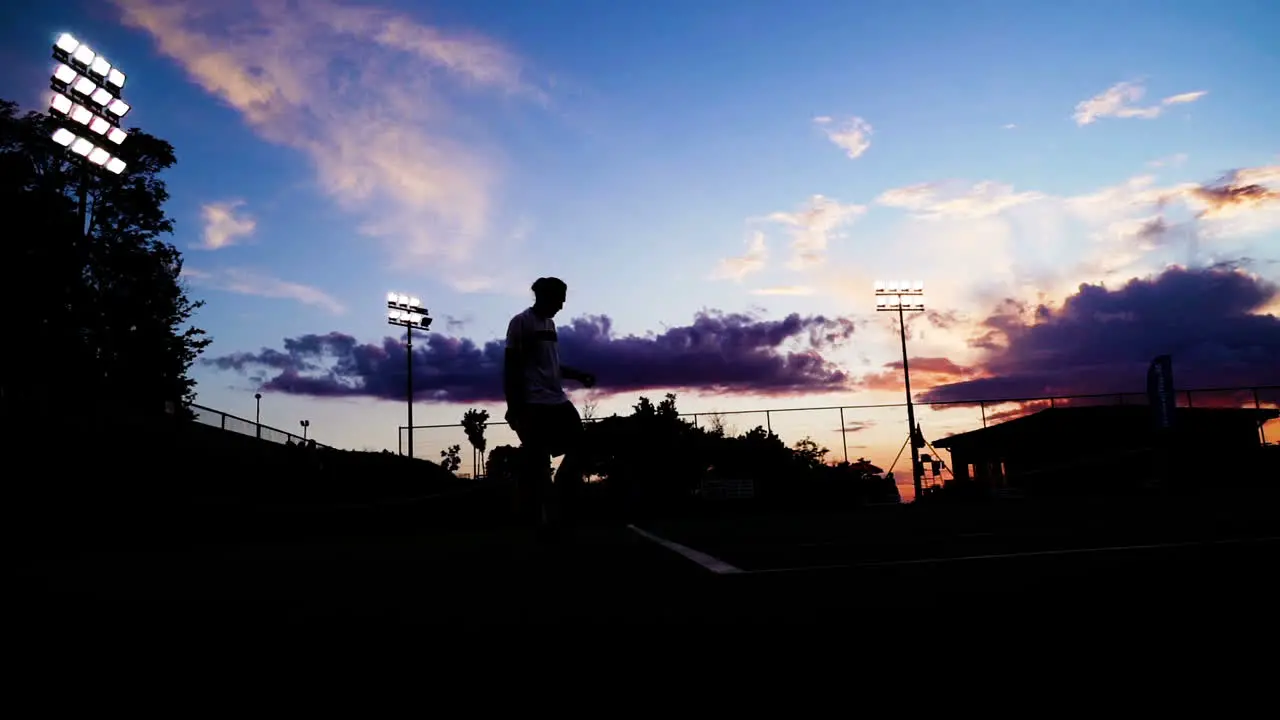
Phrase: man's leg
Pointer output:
(569, 477)
(534, 472)
(535, 479)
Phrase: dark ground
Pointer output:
(1171, 554)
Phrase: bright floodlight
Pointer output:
(918, 285)
(102, 96)
(81, 114)
(67, 43)
(118, 107)
(879, 285)
(84, 55)
(116, 135)
(63, 137)
(81, 146)
(85, 86)
(99, 126)
(61, 103)
(415, 302)
(100, 67)
(99, 156)
(116, 78)
(393, 314)
(64, 73)
(115, 165)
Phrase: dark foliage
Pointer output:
(103, 319)
(653, 458)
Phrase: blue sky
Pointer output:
(330, 151)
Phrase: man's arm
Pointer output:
(572, 373)
(513, 379)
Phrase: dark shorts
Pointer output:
(551, 429)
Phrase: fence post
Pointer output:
(400, 439)
(1262, 424)
(984, 412)
(844, 437)
(1120, 399)
(768, 424)
(1051, 403)
(1189, 399)
(695, 420)
(224, 420)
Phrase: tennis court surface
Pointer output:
(731, 567)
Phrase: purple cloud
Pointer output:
(1102, 340)
(717, 353)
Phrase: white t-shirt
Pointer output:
(535, 339)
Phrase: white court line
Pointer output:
(1007, 556)
(715, 565)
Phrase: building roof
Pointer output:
(1099, 419)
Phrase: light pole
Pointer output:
(257, 413)
(86, 102)
(407, 312)
(889, 298)
(305, 424)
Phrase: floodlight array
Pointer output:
(89, 91)
(899, 295)
(899, 287)
(88, 63)
(888, 303)
(86, 91)
(406, 311)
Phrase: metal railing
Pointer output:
(946, 418)
(237, 424)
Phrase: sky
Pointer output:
(1080, 186)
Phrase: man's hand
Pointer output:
(514, 415)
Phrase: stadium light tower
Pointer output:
(87, 105)
(407, 312)
(902, 296)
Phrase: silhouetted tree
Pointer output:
(451, 458)
(809, 455)
(474, 423)
(101, 311)
(503, 463)
(715, 424)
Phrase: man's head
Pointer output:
(548, 295)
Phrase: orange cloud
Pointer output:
(925, 372)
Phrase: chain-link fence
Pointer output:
(877, 433)
(227, 421)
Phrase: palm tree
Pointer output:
(474, 423)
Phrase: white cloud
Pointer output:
(737, 268)
(940, 200)
(224, 226)
(1011, 126)
(813, 226)
(852, 135)
(243, 281)
(1120, 100)
(359, 91)
(1175, 160)
(784, 290)
(1187, 97)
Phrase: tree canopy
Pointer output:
(99, 316)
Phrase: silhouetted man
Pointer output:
(538, 408)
